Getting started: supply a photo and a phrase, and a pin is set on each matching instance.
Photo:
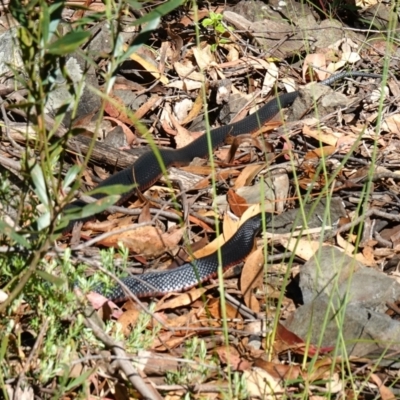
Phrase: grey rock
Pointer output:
(314, 215)
(345, 280)
(316, 97)
(83, 77)
(344, 304)
(10, 54)
(353, 329)
(325, 272)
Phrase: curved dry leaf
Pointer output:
(270, 78)
(247, 175)
(391, 124)
(204, 56)
(315, 60)
(230, 356)
(261, 384)
(130, 136)
(303, 248)
(187, 72)
(147, 66)
(281, 184)
(385, 392)
(252, 278)
(148, 241)
(182, 137)
(182, 299)
(196, 109)
(230, 227)
(128, 319)
(324, 137)
(279, 371)
(236, 202)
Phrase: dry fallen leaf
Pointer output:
(146, 240)
(315, 60)
(247, 175)
(252, 277)
(147, 66)
(230, 356)
(181, 300)
(237, 203)
(262, 385)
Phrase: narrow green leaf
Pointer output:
(158, 12)
(68, 43)
(4, 346)
(43, 221)
(79, 380)
(92, 208)
(142, 38)
(39, 184)
(45, 22)
(112, 189)
(11, 233)
(151, 21)
(71, 176)
(50, 278)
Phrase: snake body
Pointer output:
(147, 170)
(191, 273)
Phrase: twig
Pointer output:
(129, 370)
(28, 362)
(7, 126)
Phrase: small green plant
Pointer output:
(215, 21)
(190, 372)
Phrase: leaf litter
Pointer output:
(324, 154)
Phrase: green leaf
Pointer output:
(112, 189)
(79, 380)
(158, 12)
(4, 346)
(43, 221)
(71, 175)
(39, 184)
(45, 22)
(11, 233)
(207, 22)
(92, 208)
(50, 278)
(68, 43)
(141, 38)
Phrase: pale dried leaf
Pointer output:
(181, 300)
(281, 185)
(252, 277)
(270, 78)
(324, 137)
(188, 71)
(385, 392)
(204, 56)
(391, 124)
(247, 175)
(260, 383)
(303, 248)
(350, 57)
(334, 384)
(146, 240)
(289, 84)
(147, 66)
(315, 60)
(3, 296)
